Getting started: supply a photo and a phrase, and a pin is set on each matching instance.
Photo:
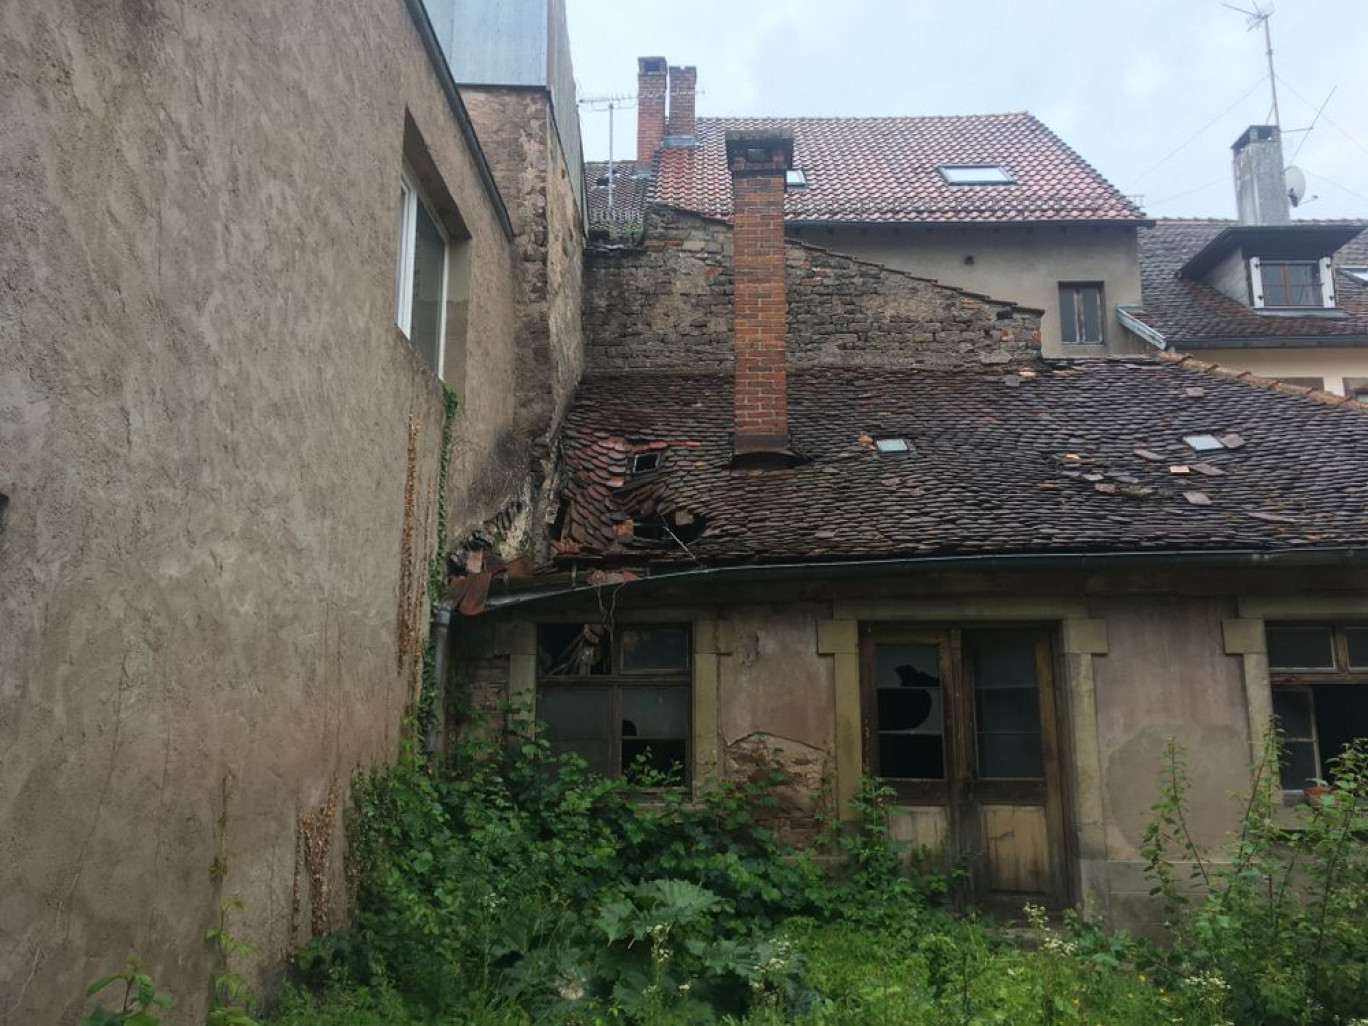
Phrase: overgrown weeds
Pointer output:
(512, 889)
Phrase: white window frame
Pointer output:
(1327, 283)
(410, 197)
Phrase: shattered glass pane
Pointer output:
(654, 649)
(910, 712)
(573, 650)
(1300, 648)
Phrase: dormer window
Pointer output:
(1291, 284)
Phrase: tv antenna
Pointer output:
(610, 104)
(1253, 19)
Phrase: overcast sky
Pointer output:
(1150, 92)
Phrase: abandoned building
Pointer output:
(817, 509)
(299, 317)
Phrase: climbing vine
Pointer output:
(431, 686)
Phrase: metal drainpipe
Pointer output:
(441, 622)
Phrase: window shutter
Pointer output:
(1327, 282)
(1256, 288)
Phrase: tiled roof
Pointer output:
(626, 216)
(1061, 456)
(1185, 311)
(885, 170)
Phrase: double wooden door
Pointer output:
(962, 724)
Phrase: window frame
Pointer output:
(410, 196)
(948, 173)
(1321, 287)
(961, 736)
(1298, 679)
(1077, 287)
(616, 681)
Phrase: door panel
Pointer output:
(961, 724)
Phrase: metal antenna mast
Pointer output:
(610, 104)
(1254, 19)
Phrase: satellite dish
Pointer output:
(1296, 184)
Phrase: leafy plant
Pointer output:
(140, 998)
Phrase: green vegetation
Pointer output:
(509, 890)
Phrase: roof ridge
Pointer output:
(1319, 395)
(868, 117)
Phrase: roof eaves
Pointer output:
(1191, 363)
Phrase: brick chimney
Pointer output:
(682, 129)
(651, 79)
(1260, 178)
(758, 160)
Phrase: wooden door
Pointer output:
(962, 725)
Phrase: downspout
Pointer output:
(435, 740)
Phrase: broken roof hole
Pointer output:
(1203, 442)
(894, 445)
(680, 526)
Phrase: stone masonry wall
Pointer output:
(519, 140)
(667, 305)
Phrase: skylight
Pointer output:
(892, 445)
(1204, 443)
(975, 174)
(795, 177)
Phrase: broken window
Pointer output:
(980, 690)
(1081, 313)
(1319, 677)
(619, 698)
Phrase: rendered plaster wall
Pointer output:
(667, 305)
(1166, 673)
(517, 133)
(1332, 365)
(211, 568)
(1016, 264)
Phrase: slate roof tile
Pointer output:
(1064, 462)
(886, 170)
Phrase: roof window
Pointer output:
(795, 178)
(893, 445)
(975, 174)
(1204, 442)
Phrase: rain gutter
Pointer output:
(1352, 556)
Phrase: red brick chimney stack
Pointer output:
(651, 85)
(759, 160)
(683, 82)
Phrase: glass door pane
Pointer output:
(910, 710)
(1006, 704)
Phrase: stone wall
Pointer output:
(517, 133)
(667, 305)
(220, 467)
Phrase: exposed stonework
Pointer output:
(518, 136)
(667, 305)
(797, 775)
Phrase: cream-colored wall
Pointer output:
(213, 557)
(1331, 364)
(1020, 264)
(1138, 660)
